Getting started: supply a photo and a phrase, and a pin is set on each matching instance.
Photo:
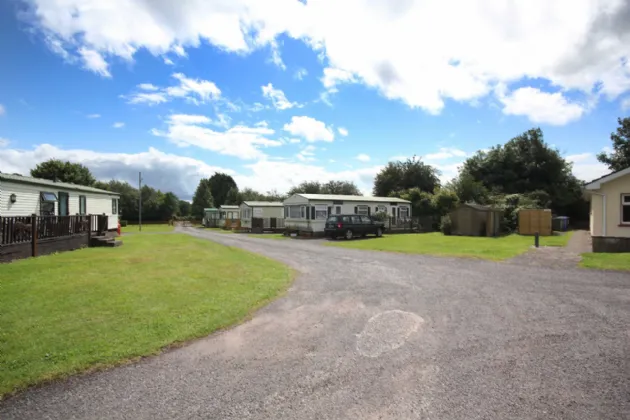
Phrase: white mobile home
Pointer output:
(227, 212)
(265, 210)
(308, 212)
(24, 196)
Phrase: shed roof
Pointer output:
(329, 197)
(229, 207)
(263, 203)
(481, 207)
(211, 209)
(49, 183)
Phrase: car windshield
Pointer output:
(332, 219)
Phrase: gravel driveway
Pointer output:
(366, 335)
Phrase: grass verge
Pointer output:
(456, 246)
(605, 261)
(88, 309)
(147, 228)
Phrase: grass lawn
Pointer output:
(66, 313)
(456, 246)
(604, 261)
(147, 228)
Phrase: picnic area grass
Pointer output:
(606, 261)
(93, 308)
(436, 243)
(147, 228)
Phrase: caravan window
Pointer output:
(363, 210)
(296, 212)
(404, 212)
(321, 211)
(47, 203)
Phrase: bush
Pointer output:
(381, 216)
(123, 223)
(446, 225)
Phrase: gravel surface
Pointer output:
(368, 335)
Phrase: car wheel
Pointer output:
(348, 234)
(333, 237)
(379, 232)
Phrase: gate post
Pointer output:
(34, 235)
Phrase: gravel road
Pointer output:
(367, 335)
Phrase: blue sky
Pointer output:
(296, 91)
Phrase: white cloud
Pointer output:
(118, 125)
(542, 107)
(586, 166)
(310, 129)
(2, 110)
(294, 140)
(179, 174)
(307, 154)
(239, 141)
(277, 97)
(147, 86)
(300, 74)
(494, 42)
(625, 104)
(257, 107)
(94, 61)
(444, 153)
(363, 157)
(342, 131)
(93, 116)
(168, 61)
(196, 91)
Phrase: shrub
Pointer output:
(123, 223)
(446, 225)
(381, 216)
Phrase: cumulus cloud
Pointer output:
(307, 154)
(4, 142)
(444, 153)
(196, 91)
(300, 74)
(94, 61)
(310, 129)
(239, 141)
(342, 131)
(93, 116)
(277, 97)
(118, 125)
(542, 107)
(586, 166)
(147, 86)
(363, 157)
(171, 172)
(625, 104)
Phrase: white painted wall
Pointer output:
(28, 201)
(266, 212)
(348, 207)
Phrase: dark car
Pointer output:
(352, 225)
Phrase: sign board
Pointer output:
(258, 212)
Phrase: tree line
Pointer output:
(523, 172)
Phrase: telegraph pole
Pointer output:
(140, 201)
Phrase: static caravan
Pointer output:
(265, 210)
(308, 212)
(24, 196)
(210, 217)
(230, 217)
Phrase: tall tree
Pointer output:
(220, 184)
(201, 199)
(169, 206)
(55, 169)
(184, 208)
(468, 189)
(306, 187)
(233, 197)
(274, 195)
(405, 175)
(619, 158)
(341, 188)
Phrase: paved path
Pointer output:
(567, 257)
(366, 335)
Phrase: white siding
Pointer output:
(267, 212)
(28, 200)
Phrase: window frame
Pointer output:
(404, 209)
(297, 209)
(623, 205)
(114, 206)
(82, 205)
(321, 211)
(363, 207)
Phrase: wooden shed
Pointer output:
(476, 220)
(531, 221)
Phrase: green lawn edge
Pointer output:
(132, 356)
(606, 261)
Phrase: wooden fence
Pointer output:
(30, 236)
(531, 221)
(412, 224)
(269, 224)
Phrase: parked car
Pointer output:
(352, 225)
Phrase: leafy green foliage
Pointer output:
(446, 225)
(233, 197)
(184, 208)
(55, 169)
(381, 216)
(202, 198)
(619, 158)
(405, 175)
(468, 189)
(330, 187)
(220, 184)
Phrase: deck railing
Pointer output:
(20, 229)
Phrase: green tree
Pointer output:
(444, 201)
(248, 194)
(274, 195)
(220, 184)
(468, 190)
(233, 197)
(306, 187)
(340, 188)
(405, 175)
(421, 201)
(169, 207)
(619, 158)
(201, 199)
(128, 201)
(184, 208)
(58, 170)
